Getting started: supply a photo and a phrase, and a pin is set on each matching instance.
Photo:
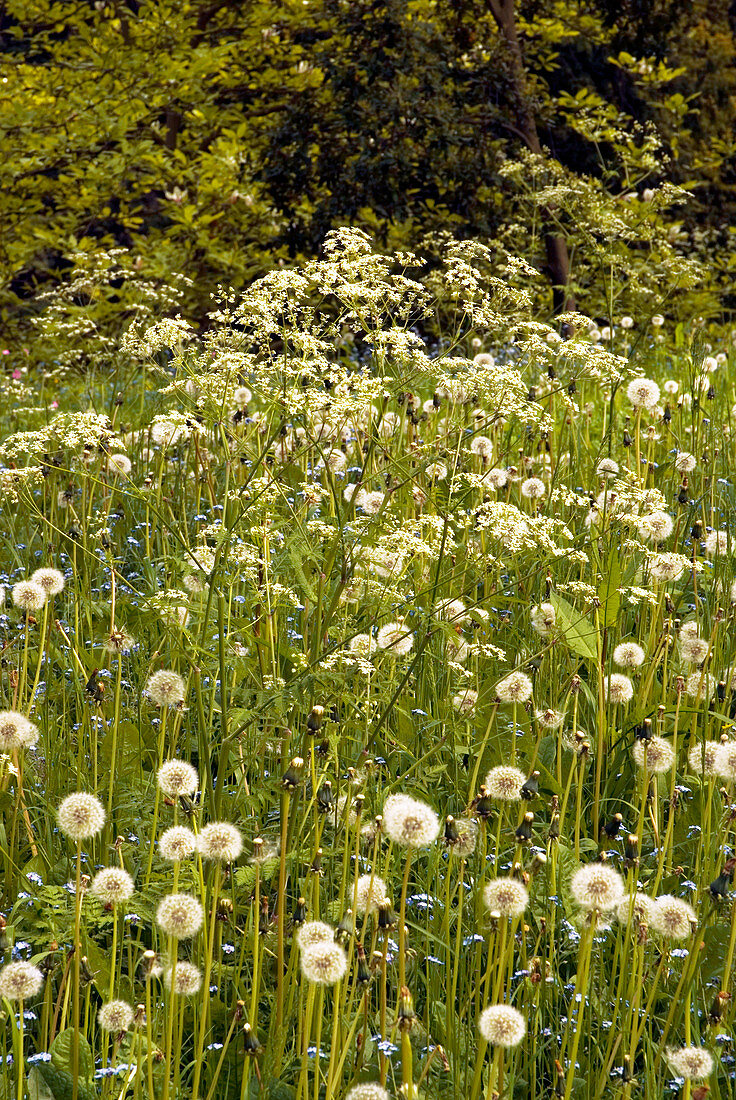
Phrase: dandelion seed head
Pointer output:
(187, 979)
(506, 896)
(115, 1016)
(466, 840)
(628, 655)
(371, 891)
(514, 688)
(685, 463)
(20, 980)
(692, 648)
(672, 917)
(120, 465)
(497, 477)
(502, 1025)
(482, 446)
(242, 396)
(700, 686)
(81, 816)
(724, 758)
(177, 843)
(619, 688)
(51, 580)
(504, 783)
(636, 909)
(667, 567)
(112, 885)
(220, 841)
(655, 527)
(324, 963)
(465, 701)
(656, 755)
(692, 1063)
(409, 822)
(362, 645)
(368, 1090)
(533, 488)
(436, 471)
(643, 393)
(165, 688)
(395, 639)
(453, 611)
(550, 719)
(16, 731)
(28, 595)
(119, 641)
(180, 916)
(607, 468)
(543, 619)
(177, 777)
(314, 931)
(703, 759)
(716, 543)
(597, 886)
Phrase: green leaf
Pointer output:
(59, 1082)
(37, 1087)
(579, 633)
(62, 1054)
(608, 589)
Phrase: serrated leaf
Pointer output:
(579, 633)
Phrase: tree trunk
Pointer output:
(558, 259)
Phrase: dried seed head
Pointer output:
(324, 963)
(81, 816)
(220, 841)
(19, 981)
(115, 1016)
(370, 892)
(28, 595)
(187, 979)
(16, 731)
(692, 1063)
(597, 886)
(112, 885)
(628, 655)
(504, 783)
(619, 688)
(369, 1090)
(180, 915)
(177, 843)
(514, 688)
(176, 777)
(166, 688)
(502, 1025)
(672, 917)
(51, 580)
(409, 822)
(656, 755)
(312, 932)
(506, 896)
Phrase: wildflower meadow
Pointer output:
(369, 698)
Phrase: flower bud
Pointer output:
(292, 777)
(314, 721)
(524, 831)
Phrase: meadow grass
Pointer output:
(368, 730)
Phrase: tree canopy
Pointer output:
(153, 151)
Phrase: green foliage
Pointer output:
(276, 122)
